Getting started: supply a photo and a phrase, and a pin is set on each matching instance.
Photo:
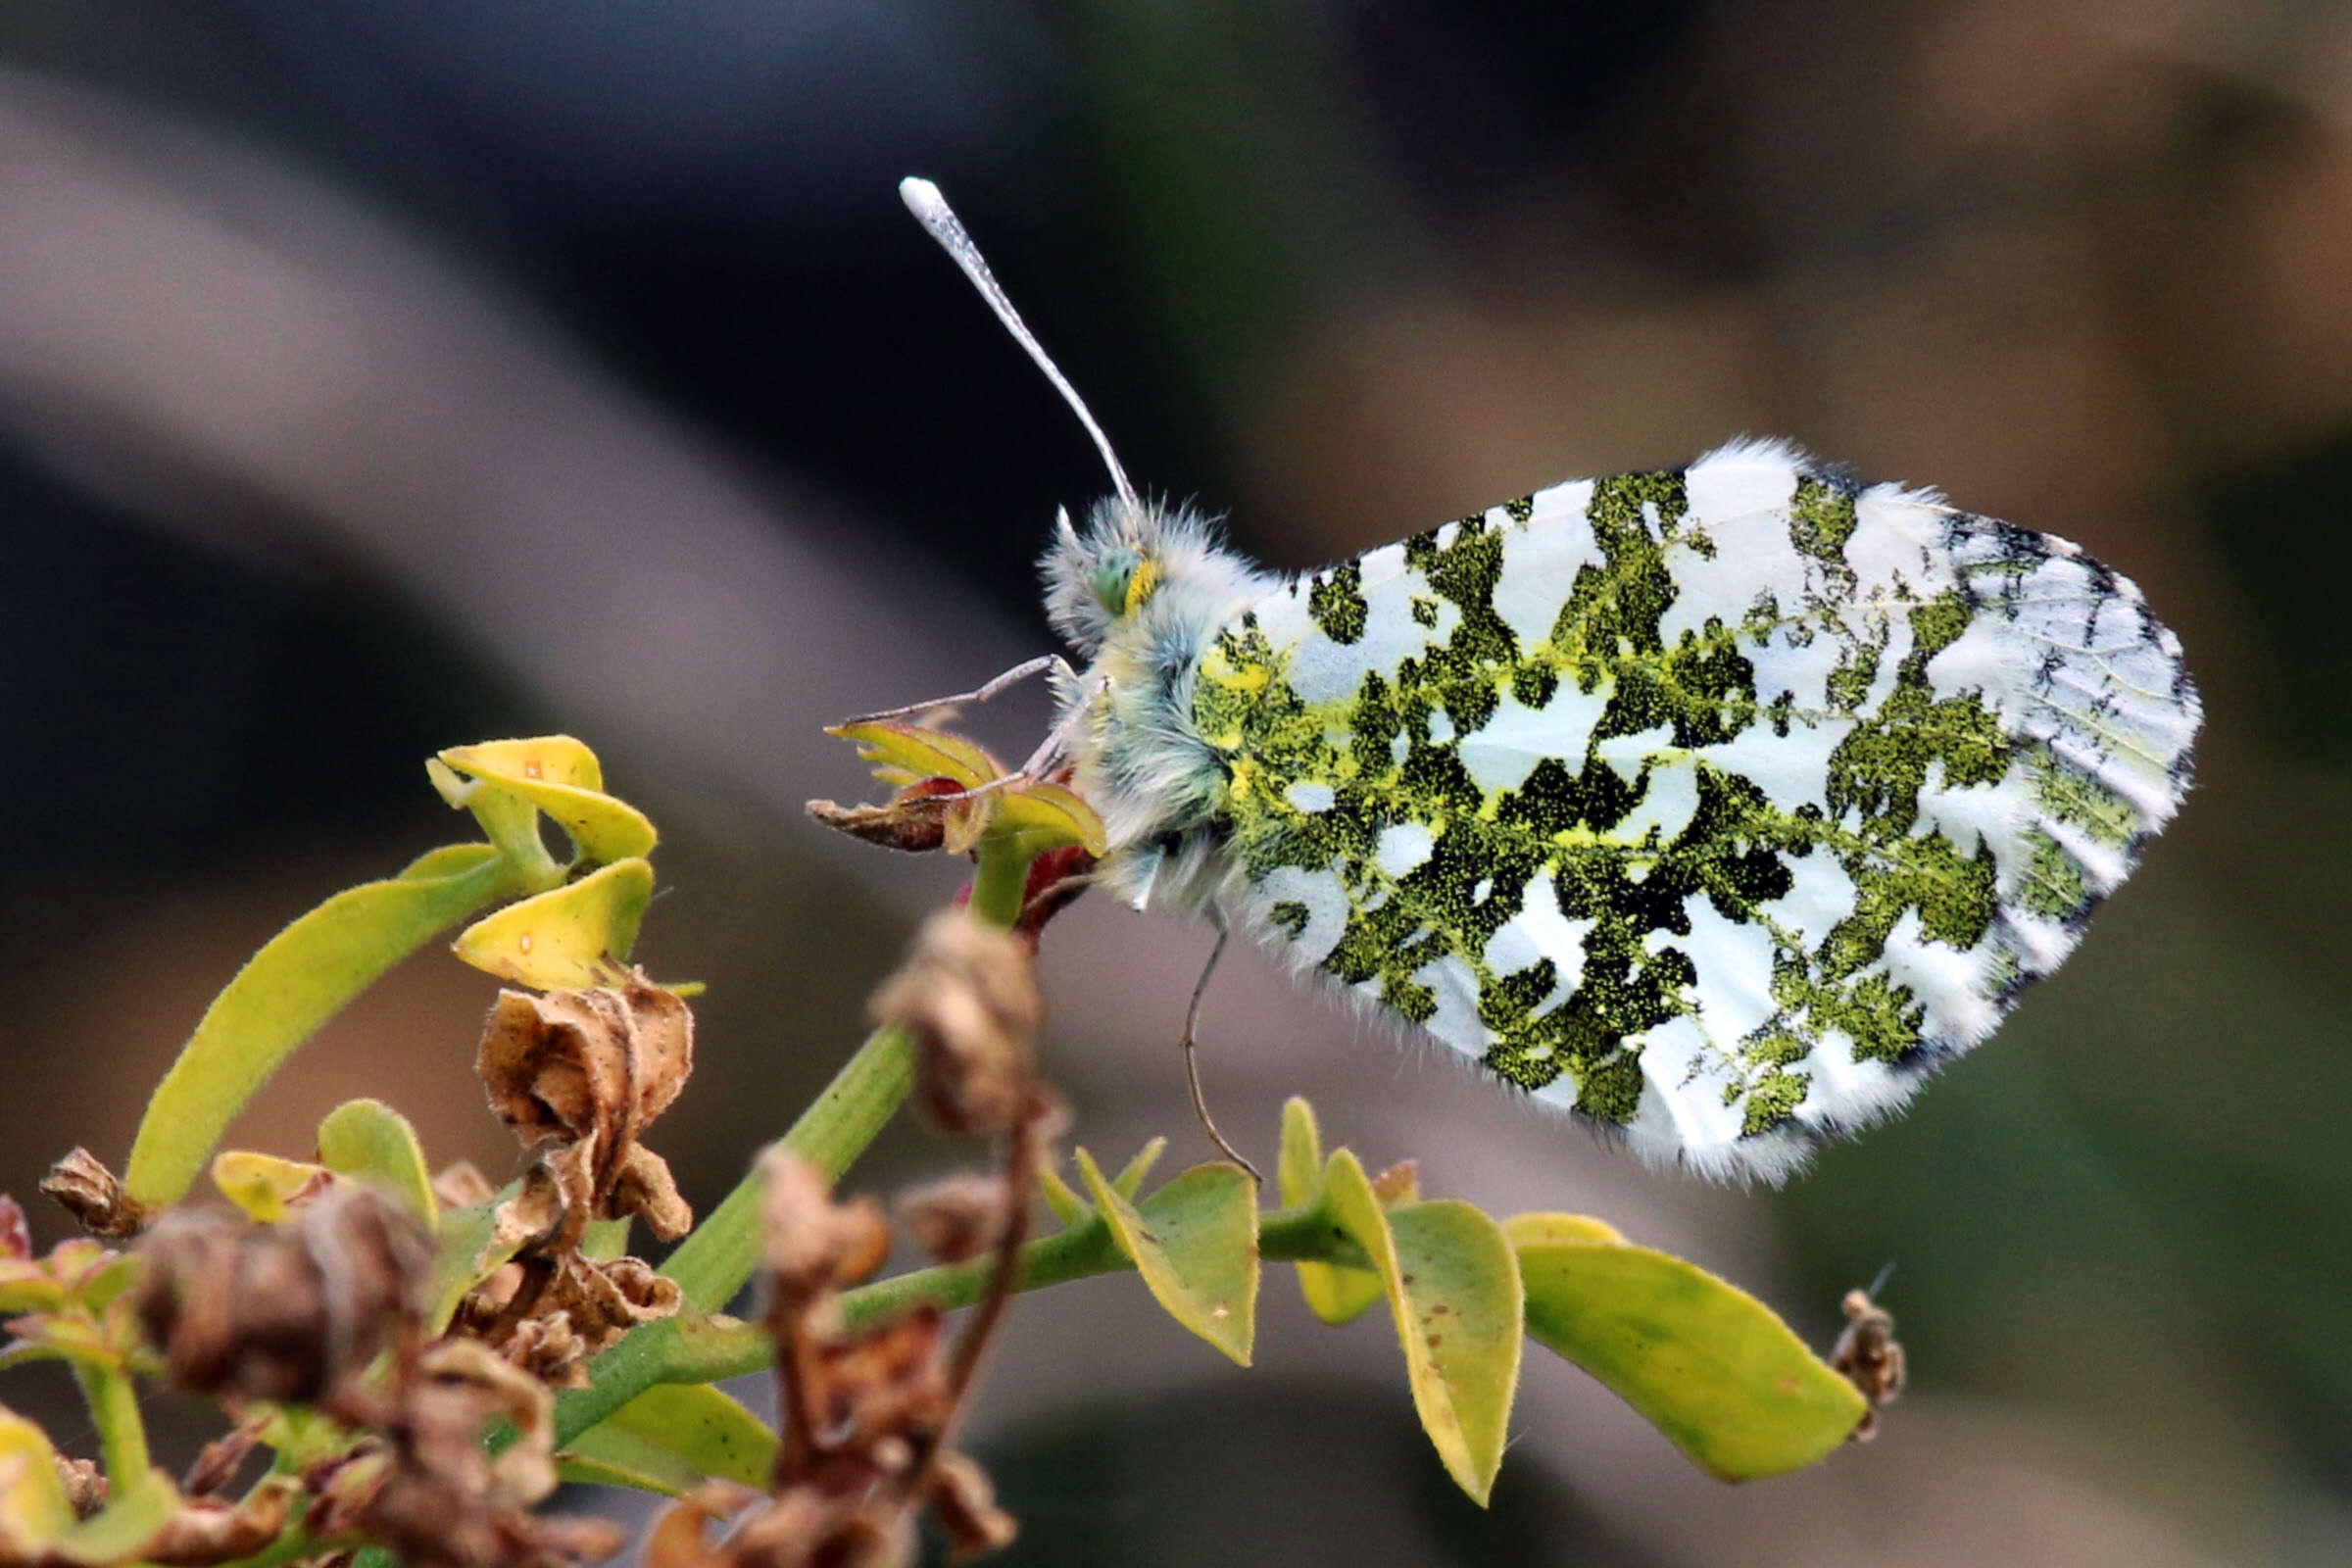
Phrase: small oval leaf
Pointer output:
(264, 1186)
(369, 1141)
(1706, 1363)
(571, 939)
(699, 1426)
(1042, 817)
(562, 778)
(1194, 1241)
(1332, 1293)
(1452, 1285)
(299, 979)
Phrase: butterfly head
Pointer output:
(1140, 570)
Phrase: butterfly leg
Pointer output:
(1192, 1067)
(1050, 750)
(981, 693)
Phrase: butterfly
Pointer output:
(1716, 806)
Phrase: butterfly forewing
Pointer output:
(1718, 804)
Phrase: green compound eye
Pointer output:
(1114, 577)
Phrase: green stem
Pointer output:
(712, 1265)
(1000, 882)
(114, 1402)
(712, 1349)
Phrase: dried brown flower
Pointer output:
(587, 1071)
(579, 1075)
(205, 1531)
(814, 1245)
(94, 1196)
(281, 1312)
(85, 1485)
(964, 1502)
(968, 994)
(223, 1457)
(441, 1500)
(461, 1183)
(954, 1218)
(1869, 1356)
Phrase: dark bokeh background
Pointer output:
(375, 378)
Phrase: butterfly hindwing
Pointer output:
(1718, 804)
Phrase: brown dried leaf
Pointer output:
(969, 994)
(94, 1196)
(925, 815)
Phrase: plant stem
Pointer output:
(710, 1350)
(114, 1401)
(712, 1265)
(999, 883)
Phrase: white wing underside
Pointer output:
(2085, 686)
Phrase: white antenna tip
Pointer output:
(922, 198)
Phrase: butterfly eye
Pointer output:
(1115, 580)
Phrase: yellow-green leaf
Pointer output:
(697, 1426)
(34, 1510)
(576, 937)
(299, 979)
(906, 753)
(1195, 1242)
(263, 1185)
(1704, 1361)
(1066, 1205)
(1454, 1288)
(616, 1460)
(1334, 1293)
(369, 1141)
(1042, 817)
(562, 778)
(118, 1532)
(1130, 1179)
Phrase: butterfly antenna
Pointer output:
(931, 210)
(1880, 1284)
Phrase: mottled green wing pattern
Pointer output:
(1719, 806)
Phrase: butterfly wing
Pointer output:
(1719, 806)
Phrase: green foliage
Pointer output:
(1710, 1366)
(1195, 1242)
(1334, 1293)
(673, 1437)
(1705, 1363)
(369, 1141)
(309, 971)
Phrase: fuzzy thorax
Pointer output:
(1141, 594)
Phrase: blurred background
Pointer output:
(376, 378)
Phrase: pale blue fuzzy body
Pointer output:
(1139, 757)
